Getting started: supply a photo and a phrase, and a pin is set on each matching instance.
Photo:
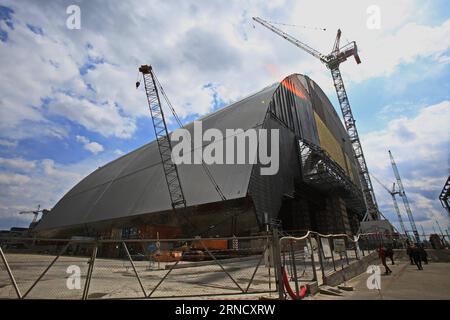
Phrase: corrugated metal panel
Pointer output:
(134, 184)
(267, 190)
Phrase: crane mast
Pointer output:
(402, 194)
(332, 61)
(393, 192)
(397, 209)
(153, 90)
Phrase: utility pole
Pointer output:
(401, 191)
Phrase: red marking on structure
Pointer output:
(293, 89)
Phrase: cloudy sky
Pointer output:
(68, 103)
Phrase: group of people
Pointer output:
(416, 253)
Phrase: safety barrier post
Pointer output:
(313, 262)
(319, 247)
(346, 251)
(294, 269)
(89, 274)
(332, 256)
(355, 244)
(361, 246)
(277, 262)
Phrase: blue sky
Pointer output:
(68, 103)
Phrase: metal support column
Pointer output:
(277, 263)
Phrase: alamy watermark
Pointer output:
(235, 147)
(73, 281)
(374, 280)
(373, 21)
(73, 21)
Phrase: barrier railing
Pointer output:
(172, 268)
(135, 268)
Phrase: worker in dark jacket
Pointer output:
(390, 253)
(382, 255)
(409, 251)
(423, 254)
(416, 256)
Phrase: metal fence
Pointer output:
(174, 268)
(312, 256)
(138, 268)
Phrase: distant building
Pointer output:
(317, 185)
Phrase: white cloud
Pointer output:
(420, 146)
(43, 185)
(17, 163)
(8, 143)
(93, 147)
(119, 152)
(103, 118)
(13, 179)
(188, 49)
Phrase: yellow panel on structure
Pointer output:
(329, 143)
(349, 168)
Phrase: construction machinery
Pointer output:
(35, 213)
(402, 194)
(176, 194)
(393, 192)
(332, 61)
(153, 89)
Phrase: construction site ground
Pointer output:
(405, 282)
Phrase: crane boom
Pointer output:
(153, 89)
(402, 194)
(332, 61)
(178, 201)
(393, 192)
(291, 39)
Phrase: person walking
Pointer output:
(382, 255)
(409, 252)
(416, 257)
(390, 253)
(423, 254)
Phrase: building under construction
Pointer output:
(316, 187)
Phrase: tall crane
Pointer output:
(153, 89)
(393, 192)
(401, 192)
(332, 61)
(171, 174)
